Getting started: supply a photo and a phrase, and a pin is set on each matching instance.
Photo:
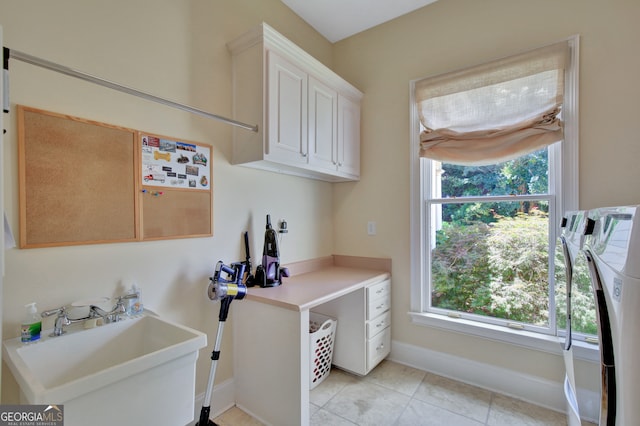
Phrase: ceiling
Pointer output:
(339, 19)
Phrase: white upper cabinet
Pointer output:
(287, 107)
(308, 117)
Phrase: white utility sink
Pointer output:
(136, 371)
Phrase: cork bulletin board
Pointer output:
(176, 190)
(83, 182)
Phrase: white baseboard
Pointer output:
(542, 392)
(224, 398)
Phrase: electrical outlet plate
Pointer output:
(371, 228)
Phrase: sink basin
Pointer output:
(139, 370)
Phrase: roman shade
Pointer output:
(496, 111)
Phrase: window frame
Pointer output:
(563, 158)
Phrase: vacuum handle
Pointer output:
(246, 246)
(221, 267)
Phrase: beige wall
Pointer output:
(452, 34)
(176, 50)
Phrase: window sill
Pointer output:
(526, 339)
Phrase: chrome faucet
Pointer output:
(114, 314)
(63, 320)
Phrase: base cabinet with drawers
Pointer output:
(363, 335)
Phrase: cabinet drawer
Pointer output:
(379, 290)
(378, 324)
(377, 307)
(378, 348)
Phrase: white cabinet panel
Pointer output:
(378, 348)
(378, 324)
(287, 118)
(348, 136)
(377, 307)
(323, 126)
(376, 291)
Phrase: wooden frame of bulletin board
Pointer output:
(83, 182)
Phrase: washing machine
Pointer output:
(612, 249)
(569, 262)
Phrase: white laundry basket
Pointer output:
(322, 333)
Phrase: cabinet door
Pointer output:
(348, 136)
(323, 126)
(286, 112)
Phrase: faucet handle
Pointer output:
(61, 320)
(120, 301)
(58, 311)
(127, 296)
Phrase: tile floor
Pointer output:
(394, 394)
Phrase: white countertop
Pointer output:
(312, 284)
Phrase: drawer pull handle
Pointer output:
(380, 306)
(380, 324)
(379, 291)
(380, 347)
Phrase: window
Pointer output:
(494, 165)
(489, 240)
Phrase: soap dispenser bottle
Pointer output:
(135, 304)
(32, 324)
